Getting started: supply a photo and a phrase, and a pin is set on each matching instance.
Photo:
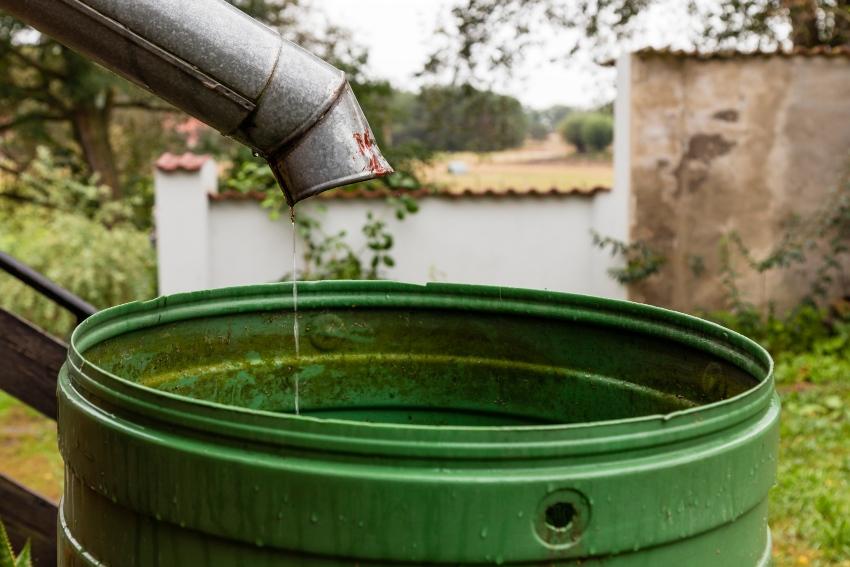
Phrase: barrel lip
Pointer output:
(455, 441)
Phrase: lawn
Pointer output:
(810, 505)
(28, 449)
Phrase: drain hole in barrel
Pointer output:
(560, 515)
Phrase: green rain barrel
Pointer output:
(439, 425)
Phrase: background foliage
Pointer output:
(96, 251)
(588, 131)
(481, 36)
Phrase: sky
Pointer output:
(400, 34)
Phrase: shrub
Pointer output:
(588, 131)
(66, 228)
(572, 130)
(103, 266)
(597, 131)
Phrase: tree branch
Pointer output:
(9, 169)
(30, 117)
(22, 200)
(27, 60)
(144, 105)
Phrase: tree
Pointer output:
(598, 131)
(58, 223)
(537, 128)
(588, 131)
(50, 95)
(464, 118)
(492, 34)
(541, 123)
(572, 130)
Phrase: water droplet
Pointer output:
(259, 542)
(314, 518)
(520, 514)
(256, 153)
(484, 533)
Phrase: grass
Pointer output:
(28, 448)
(809, 506)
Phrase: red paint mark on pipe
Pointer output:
(366, 146)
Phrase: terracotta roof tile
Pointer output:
(184, 162)
(819, 51)
(427, 192)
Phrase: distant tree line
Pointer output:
(541, 123)
(459, 118)
(464, 118)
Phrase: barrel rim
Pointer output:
(382, 438)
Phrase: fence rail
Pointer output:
(46, 287)
(31, 361)
(30, 365)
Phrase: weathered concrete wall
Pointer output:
(731, 144)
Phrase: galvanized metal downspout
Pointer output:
(230, 71)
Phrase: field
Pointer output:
(537, 165)
(810, 505)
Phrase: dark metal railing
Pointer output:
(17, 269)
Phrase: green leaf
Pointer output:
(25, 558)
(7, 557)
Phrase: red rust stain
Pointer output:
(364, 141)
(366, 146)
(377, 167)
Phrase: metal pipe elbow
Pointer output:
(230, 71)
(310, 127)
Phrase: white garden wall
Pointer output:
(536, 240)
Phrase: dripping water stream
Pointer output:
(295, 307)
